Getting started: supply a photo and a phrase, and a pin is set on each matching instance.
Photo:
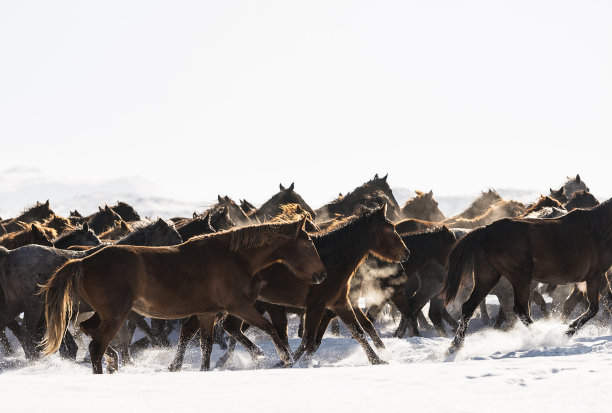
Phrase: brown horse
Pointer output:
(342, 250)
(202, 276)
(575, 247)
(478, 206)
(501, 209)
(542, 202)
(59, 224)
(103, 219)
(39, 212)
(119, 229)
(29, 234)
(424, 207)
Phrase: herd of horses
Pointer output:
(219, 271)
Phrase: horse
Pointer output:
(198, 225)
(342, 249)
(235, 213)
(478, 206)
(345, 205)
(126, 211)
(59, 224)
(119, 229)
(81, 235)
(103, 219)
(272, 207)
(29, 234)
(38, 212)
(23, 269)
(202, 276)
(501, 209)
(246, 206)
(541, 203)
(422, 280)
(423, 207)
(581, 199)
(76, 218)
(573, 248)
(569, 187)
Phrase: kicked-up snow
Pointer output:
(525, 369)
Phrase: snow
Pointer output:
(524, 368)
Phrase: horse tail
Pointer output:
(59, 293)
(462, 259)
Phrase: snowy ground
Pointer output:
(532, 369)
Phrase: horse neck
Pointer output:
(256, 259)
(423, 248)
(338, 263)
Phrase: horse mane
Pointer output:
(347, 240)
(543, 201)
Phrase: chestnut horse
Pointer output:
(342, 250)
(424, 207)
(572, 248)
(202, 276)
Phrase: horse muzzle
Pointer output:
(318, 277)
(402, 257)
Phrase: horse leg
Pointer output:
(374, 310)
(367, 325)
(593, 288)
(347, 315)
(571, 302)
(449, 319)
(484, 280)
(312, 320)
(522, 291)
(409, 317)
(540, 302)
(278, 318)
(5, 344)
(158, 331)
(207, 330)
(68, 348)
(249, 313)
(189, 328)
(102, 329)
(335, 327)
(436, 306)
(328, 316)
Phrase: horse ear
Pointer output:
(124, 225)
(47, 203)
(383, 210)
(376, 176)
(430, 194)
(194, 215)
(577, 180)
(85, 227)
(292, 186)
(99, 208)
(281, 187)
(384, 178)
(106, 208)
(225, 211)
(36, 229)
(219, 198)
(300, 226)
(227, 198)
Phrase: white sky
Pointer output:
(234, 97)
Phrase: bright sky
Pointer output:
(207, 97)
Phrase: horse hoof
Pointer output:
(378, 362)
(174, 367)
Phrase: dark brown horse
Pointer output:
(342, 250)
(424, 207)
(272, 207)
(103, 220)
(573, 248)
(126, 211)
(372, 194)
(202, 276)
(581, 199)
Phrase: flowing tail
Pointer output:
(59, 293)
(462, 259)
